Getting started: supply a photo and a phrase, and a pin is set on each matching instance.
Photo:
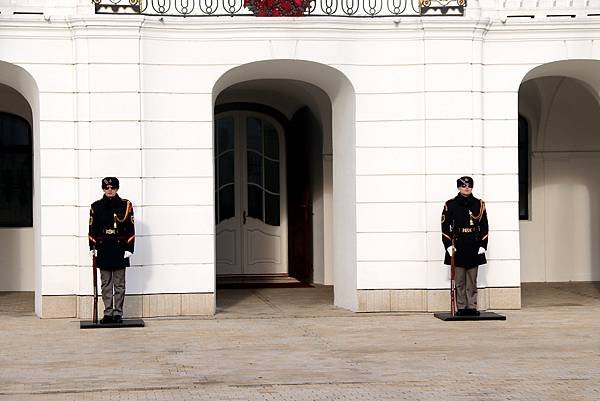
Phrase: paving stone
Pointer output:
(293, 344)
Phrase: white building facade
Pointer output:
(320, 147)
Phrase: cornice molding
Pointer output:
(302, 28)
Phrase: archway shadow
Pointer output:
(21, 81)
(303, 119)
(561, 239)
(341, 105)
(560, 294)
(17, 241)
(17, 304)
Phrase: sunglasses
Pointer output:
(109, 187)
(465, 186)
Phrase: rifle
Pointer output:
(453, 305)
(95, 274)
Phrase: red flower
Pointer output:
(277, 8)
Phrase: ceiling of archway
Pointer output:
(587, 71)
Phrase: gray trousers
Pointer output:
(466, 287)
(113, 280)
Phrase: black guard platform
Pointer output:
(447, 316)
(88, 324)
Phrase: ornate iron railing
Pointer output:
(333, 8)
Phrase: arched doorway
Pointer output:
(298, 103)
(20, 267)
(559, 166)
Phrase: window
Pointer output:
(225, 166)
(263, 171)
(16, 172)
(523, 169)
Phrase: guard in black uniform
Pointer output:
(112, 239)
(465, 232)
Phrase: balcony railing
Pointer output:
(322, 8)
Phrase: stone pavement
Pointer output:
(292, 344)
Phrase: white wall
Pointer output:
(96, 123)
(423, 123)
(559, 242)
(415, 105)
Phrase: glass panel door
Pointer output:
(262, 147)
(225, 169)
(249, 195)
(227, 195)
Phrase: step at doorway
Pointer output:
(243, 281)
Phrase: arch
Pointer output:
(340, 97)
(21, 81)
(540, 97)
(580, 69)
(561, 103)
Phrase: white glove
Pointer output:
(481, 250)
(93, 252)
(127, 254)
(450, 250)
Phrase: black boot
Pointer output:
(472, 312)
(461, 312)
(117, 319)
(106, 319)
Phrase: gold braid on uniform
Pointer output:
(481, 210)
(127, 209)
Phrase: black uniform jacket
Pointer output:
(464, 219)
(112, 231)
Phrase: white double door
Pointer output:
(250, 195)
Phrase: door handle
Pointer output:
(244, 217)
